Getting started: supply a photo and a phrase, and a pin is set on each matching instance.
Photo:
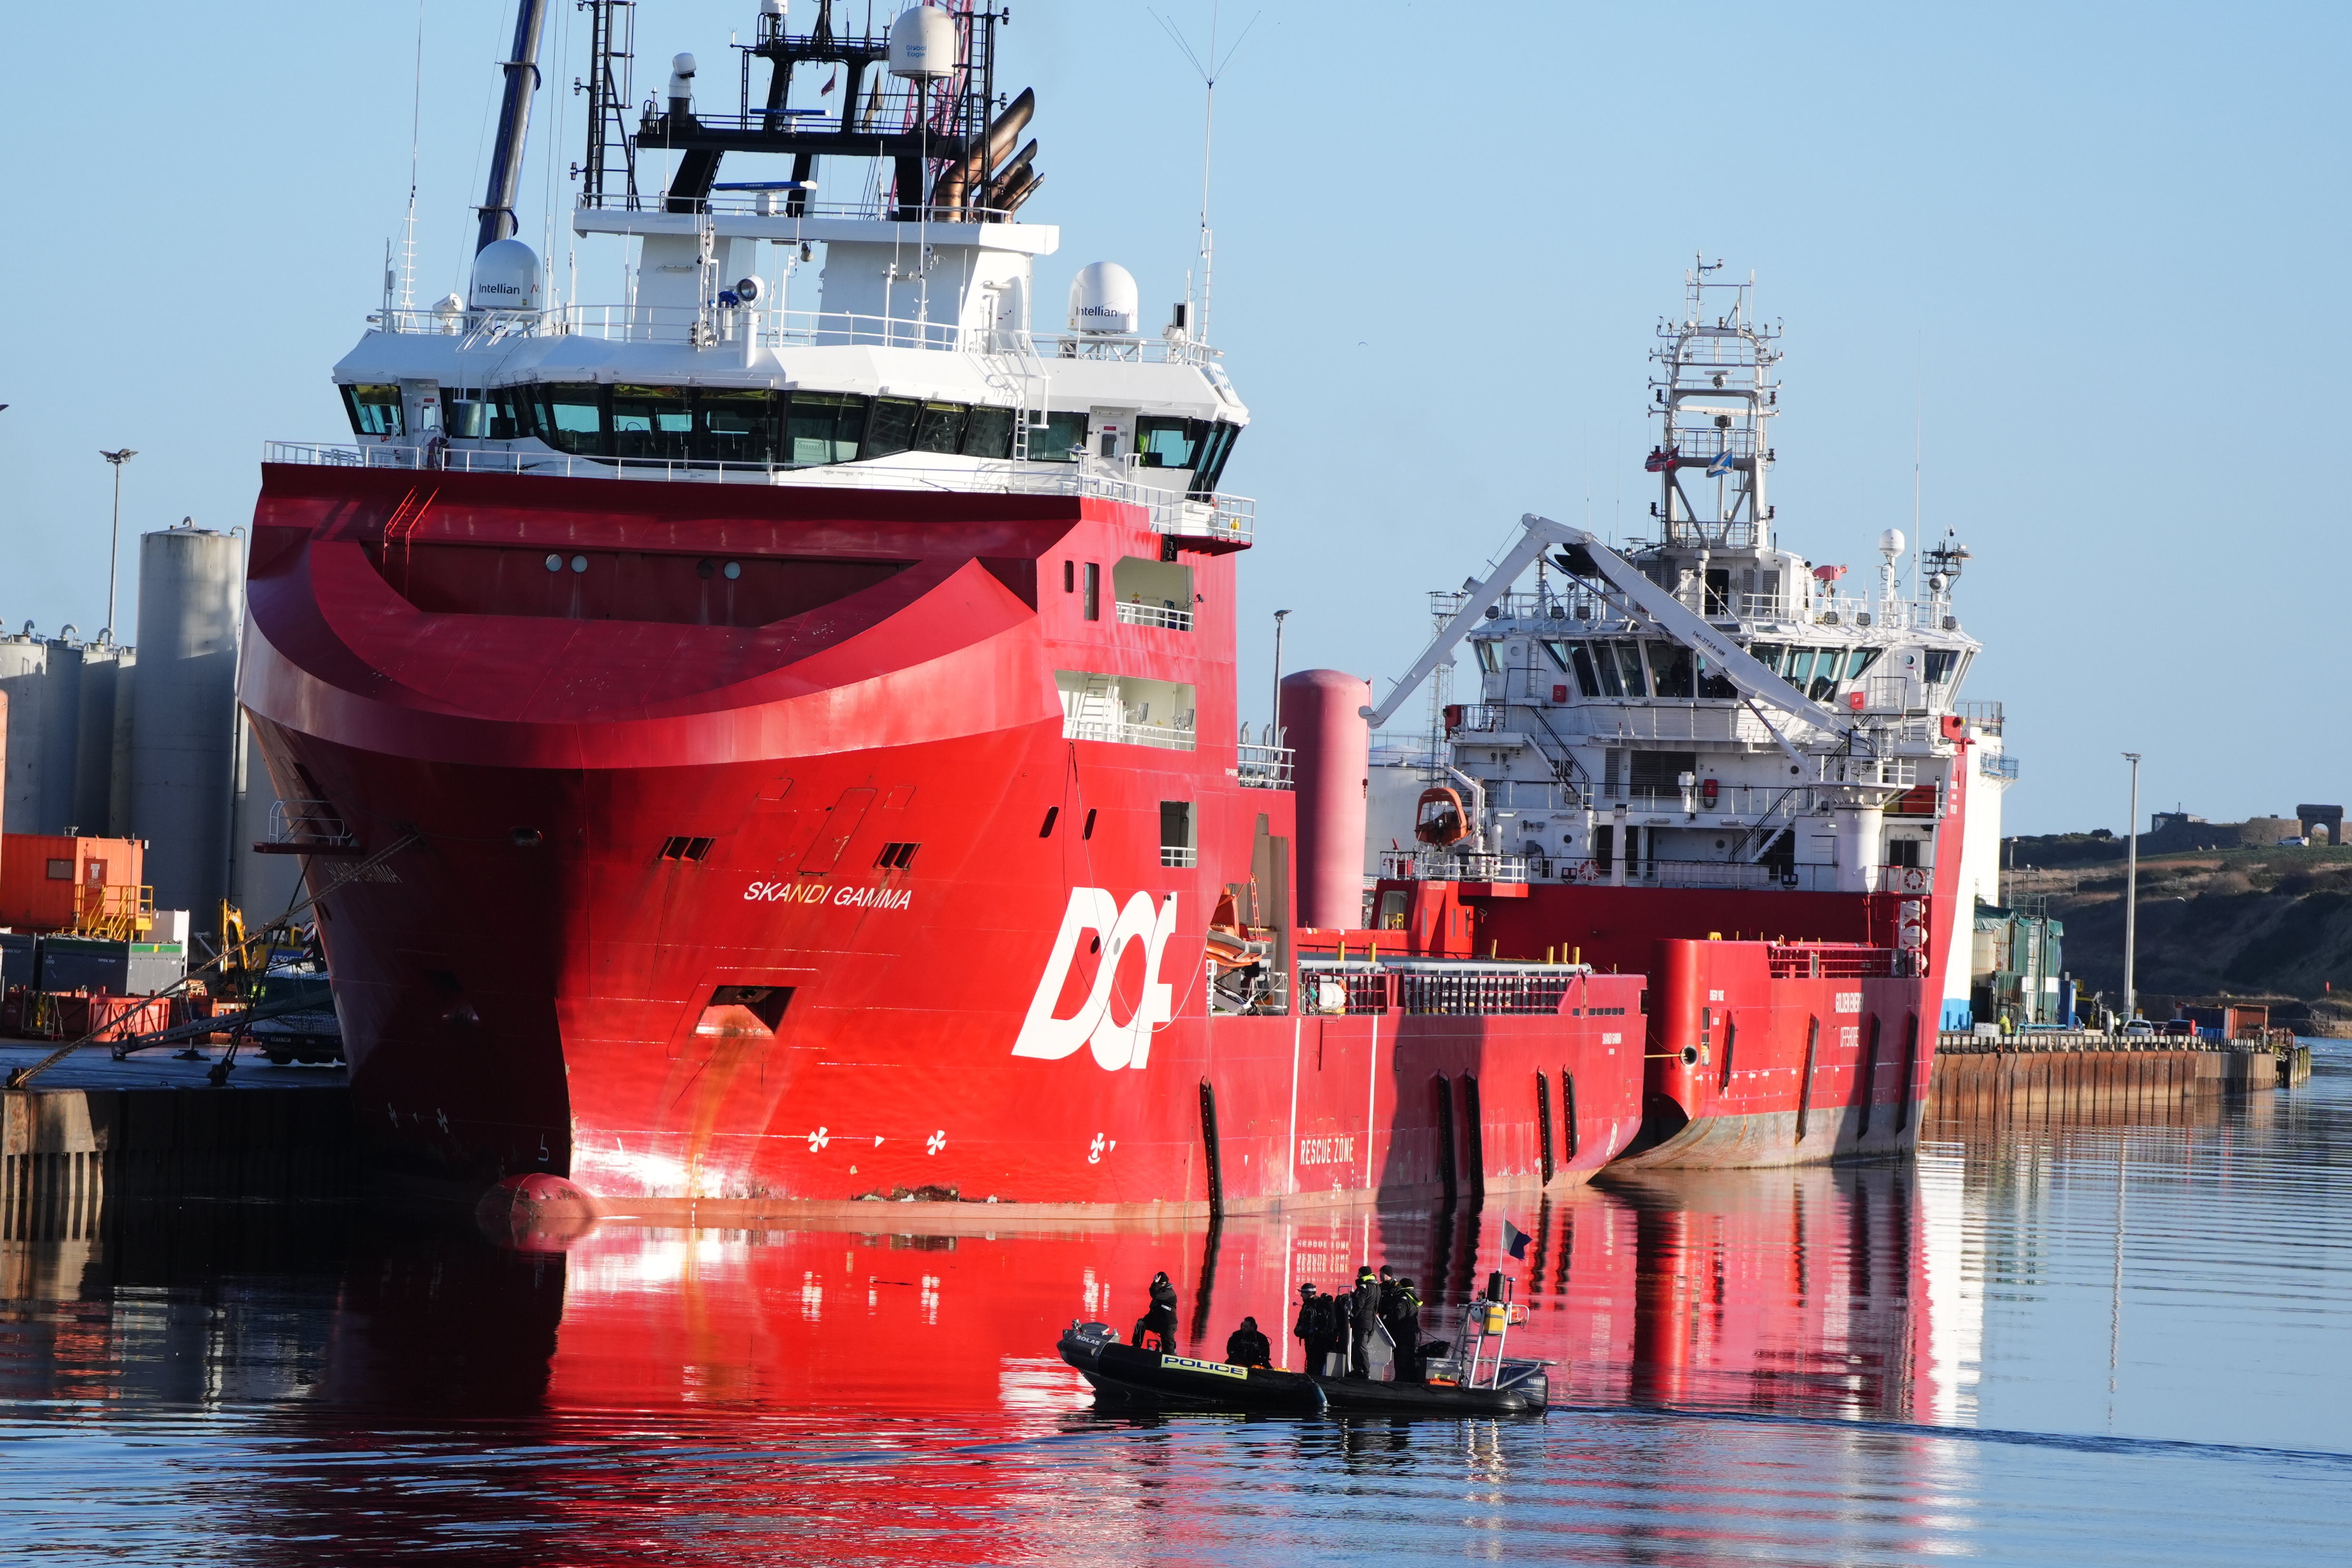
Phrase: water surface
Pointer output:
(2045, 1343)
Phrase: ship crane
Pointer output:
(1585, 556)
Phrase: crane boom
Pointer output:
(1583, 555)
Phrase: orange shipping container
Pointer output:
(48, 881)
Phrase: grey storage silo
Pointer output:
(184, 724)
(24, 676)
(93, 778)
(118, 783)
(60, 735)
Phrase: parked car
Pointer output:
(2139, 1027)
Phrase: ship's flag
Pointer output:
(1659, 459)
(828, 86)
(1720, 466)
(1515, 1242)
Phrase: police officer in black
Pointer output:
(1162, 1319)
(1317, 1328)
(1246, 1347)
(1363, 1320)
(1401, 1310)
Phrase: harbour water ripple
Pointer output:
(2049, 1342)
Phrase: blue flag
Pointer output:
(1515, 1242)
(1720, 466)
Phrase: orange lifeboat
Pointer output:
(1439, 819)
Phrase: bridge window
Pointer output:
(1164, 443)
(569, 419)
(942, 427)
(374, 409)
(1056, 440)
(988, 433)
(1941, 663)
(734, 427)
(465, 413)
(890, 427)
(824, 427)
(1211, 468)
(1632, 682)
(1587, 676)
(1670, 670)
(650, 421)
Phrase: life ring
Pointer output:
(1911, 880)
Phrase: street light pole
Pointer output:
(2131, 895)
(114, 549)
(1275, 739)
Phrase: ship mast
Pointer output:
(1715, 391)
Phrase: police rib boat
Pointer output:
(1474, 1379)
(1124, 1375)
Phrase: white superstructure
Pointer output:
(1620, 733)
(920, 365)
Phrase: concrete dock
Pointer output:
(153, 1126)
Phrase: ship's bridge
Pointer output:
(918, 367)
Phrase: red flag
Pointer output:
(828, 84)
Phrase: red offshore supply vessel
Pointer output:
(754, 754)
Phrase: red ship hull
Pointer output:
(650, 917)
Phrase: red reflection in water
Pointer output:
(1781, 1291)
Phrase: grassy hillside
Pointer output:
(2270, 924)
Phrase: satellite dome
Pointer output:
(923, 44)
(1103, 300)
(1890, 543)
(506, 278)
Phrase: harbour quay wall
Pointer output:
(64, 1152)
(2086, 1072)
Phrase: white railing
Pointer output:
(758, 327)
(1756, 802)
(1136, 614)
(1167, 737)
(1896, 772)
(1984, 716)
(1226, 519)
(1179, 855)
(1423, 865)
(1672, 721)
(1265, 767)
(307, 822)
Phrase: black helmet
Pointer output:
(1249, 1323)
(1161, 1277)
(1306, 1287)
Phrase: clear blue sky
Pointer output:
(2113, 234)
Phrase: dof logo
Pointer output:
(1115, 1044)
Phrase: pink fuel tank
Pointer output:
(1322, 714)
